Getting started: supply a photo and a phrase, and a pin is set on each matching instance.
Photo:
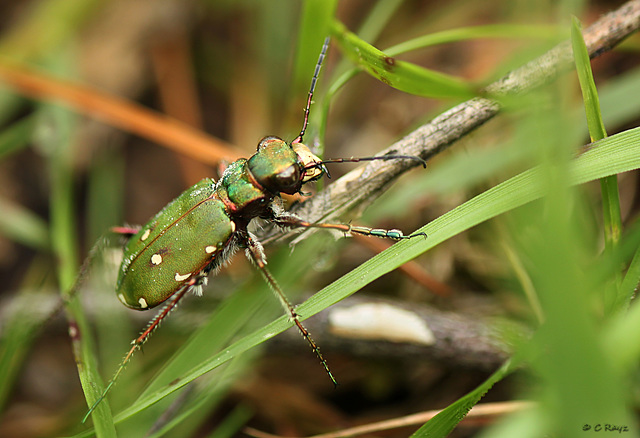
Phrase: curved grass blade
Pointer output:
(251, 303)
(401, 75)
(478, 166)
(508, 31)
(442, 424)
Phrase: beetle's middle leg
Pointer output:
(255, 253)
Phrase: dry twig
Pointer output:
(483, 410)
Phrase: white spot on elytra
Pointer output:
(121, 298)
(156, 259)
(179, 277)
(145, 235)
(233, 227)
(210, 249)
(143, 303)
(380, 321)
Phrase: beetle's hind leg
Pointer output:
(137, 343)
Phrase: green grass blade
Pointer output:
(622, 338)
(23, 226)
(198, 409)
(609, 185)
(57, 144)
(622, 335)
(629, 284)
(617, 108)
(587, 83)
(314, 28)
(401, 75)
(230, 426)
(442, 424)
(16, 137)
(507, 31)
(616, 154)
(21, 320)
(374, 23)
(244, 344)
(378, 18)
(209, 339)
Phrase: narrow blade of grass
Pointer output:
(442, 424)
(23, 226)
(507, 31)
(609, 185)
(401, 75)
(21, 320)
(56, 141)
(16, 136)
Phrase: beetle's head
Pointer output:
(281, 167)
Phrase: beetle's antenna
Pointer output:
(321, 164)
(316, 73)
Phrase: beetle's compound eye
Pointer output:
(288, 178)
(284, 179)
(266, 141)
(308, 161)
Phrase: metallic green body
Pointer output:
(195, 232)
(174, 246)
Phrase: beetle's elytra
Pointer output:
(174, 247)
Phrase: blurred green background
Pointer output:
(240, 70)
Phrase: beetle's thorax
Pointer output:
(240, 194)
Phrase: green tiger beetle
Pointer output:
(198, 231)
